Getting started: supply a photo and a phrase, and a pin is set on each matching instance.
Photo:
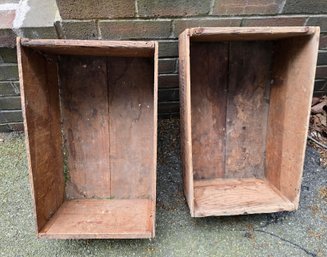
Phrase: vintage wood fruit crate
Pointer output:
(245, 104)
(90, 110)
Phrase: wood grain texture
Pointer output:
(271, 74)
(109, 123)
(92, 47)
(85, 124)
(40, 103)
(185, 117)
(248, 33)
(209, 79)
(247, 108)
(237, 196)
(99, 218)
(152, 222)
(131, 108)
(291, 93)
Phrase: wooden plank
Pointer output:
(209, 78)
(85, 125)
(152, 222)
(99, 218)
(131, 110)
(237, 196)
(247, 110)
(38, 80)
(92, 47)
(185, 117)
(248, 33)
(291, 93)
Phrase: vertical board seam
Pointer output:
(109, 148)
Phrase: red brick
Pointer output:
(9, 88)
(182, 24)
(8, 72)
(8, 55)
(10, 103)
(323, 41)
(167, 66)
(135, 29)
(7, 38)
(10, 116)
(168, 81)
(168, 48)
(168, 107)
(319, 93)
(321, 72)
(320, 85)
(240, 7)
(322, 58)
(96, 9)
(168, 94)
(320, 21)
(172, 8)
(77, 29)
(305, 6)
(274, 21)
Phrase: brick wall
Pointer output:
(163, 20)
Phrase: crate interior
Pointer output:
(240, 90)
(90, 117)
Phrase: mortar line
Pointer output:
(136, 9)
(99, 36)
(212, 4)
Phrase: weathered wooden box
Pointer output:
(245, 103)
(90, 110)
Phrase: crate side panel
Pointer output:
(131, 108)
(185, 119)
(247, 108)
(293, 76)
(100, 218)
(218, 197)
(40, 104)
(209, 78)
(84, 101)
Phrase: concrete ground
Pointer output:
(300, 233)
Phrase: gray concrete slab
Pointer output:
(300, 233)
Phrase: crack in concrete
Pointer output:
(288, 241)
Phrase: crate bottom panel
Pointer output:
(219, 197)
(101, 218)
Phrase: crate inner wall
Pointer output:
(241, 129)
(91, 141)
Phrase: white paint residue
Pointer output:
(8, 7)
(21, 12)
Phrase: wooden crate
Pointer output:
(90, 113)
(245, 103)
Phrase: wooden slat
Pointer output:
(209, 79)
(40, 104)
(248, 33)
(131, 109)
(291, 92)
(271, 75)
(247, 108)
(92, 47)
(185, 117)
(152, 221)
(95, 218)
(85, 124)
(237, 196)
